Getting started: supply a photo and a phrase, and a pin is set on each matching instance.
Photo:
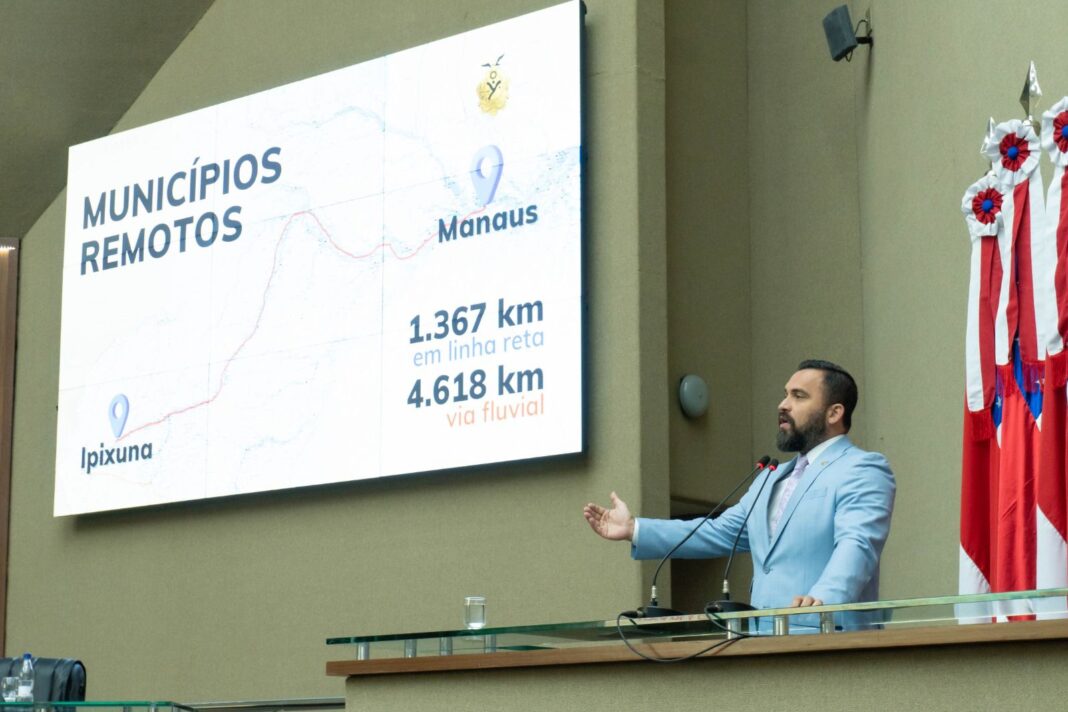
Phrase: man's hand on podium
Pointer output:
(615, 524)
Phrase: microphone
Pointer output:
(726, 605)
(654, 610)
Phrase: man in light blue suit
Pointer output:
(818, 523)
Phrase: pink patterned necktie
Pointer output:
(787, 491)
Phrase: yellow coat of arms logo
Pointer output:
(493, 88)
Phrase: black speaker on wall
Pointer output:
(841, 36)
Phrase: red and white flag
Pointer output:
(1052, 481)
(986, 327)
(1012, 318)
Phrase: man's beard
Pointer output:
(803, 438)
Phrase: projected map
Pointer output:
(371, 272)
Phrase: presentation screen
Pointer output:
(371, 272)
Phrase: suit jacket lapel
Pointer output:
(813, 471)
(758, 522)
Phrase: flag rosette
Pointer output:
(1013, 151)
(981, 206)
(1055, 132)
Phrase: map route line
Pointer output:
(263, 303)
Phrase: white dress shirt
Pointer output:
(777, 488)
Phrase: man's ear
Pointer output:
(835, 414)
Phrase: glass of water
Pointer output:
(475, 612)
(9, 689)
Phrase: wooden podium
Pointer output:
(917, 661)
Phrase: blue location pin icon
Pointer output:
(117, 413)
(486, 169)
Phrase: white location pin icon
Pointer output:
(486, 169)
(117, 413)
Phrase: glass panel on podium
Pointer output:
(825, 620)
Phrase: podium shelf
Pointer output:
(872, 616)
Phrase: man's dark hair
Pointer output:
(838, 387)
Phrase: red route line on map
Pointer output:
(263, 304)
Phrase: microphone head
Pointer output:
(763, 462)
(773, 465)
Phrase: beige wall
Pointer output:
(751, 203)
(708, 240)
(806, 266)
(922, 102)
(856, 248)
(856, 179)
(708, 251)
(234, 598)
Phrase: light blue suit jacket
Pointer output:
(828, 541)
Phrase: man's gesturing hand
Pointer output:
(616, 523)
